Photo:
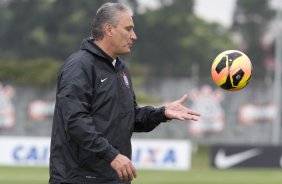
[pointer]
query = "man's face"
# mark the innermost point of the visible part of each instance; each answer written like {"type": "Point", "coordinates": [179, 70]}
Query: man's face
{"type": "Point", "coordinates": [123, 34]}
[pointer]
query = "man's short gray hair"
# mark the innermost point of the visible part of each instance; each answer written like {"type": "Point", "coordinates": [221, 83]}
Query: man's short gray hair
{"type": "Point", "coordinates": [107, 13]}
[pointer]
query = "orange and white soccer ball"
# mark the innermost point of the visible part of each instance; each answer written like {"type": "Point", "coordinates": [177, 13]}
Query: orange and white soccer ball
{"type": "Point", "coordinates": [231, 70]}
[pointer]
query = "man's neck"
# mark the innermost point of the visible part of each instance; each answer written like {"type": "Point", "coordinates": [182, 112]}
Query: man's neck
{"type": "Point", "coordinates": [105, 47]}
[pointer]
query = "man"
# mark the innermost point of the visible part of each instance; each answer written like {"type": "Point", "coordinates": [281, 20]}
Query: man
{"type": "Point", "coordinates": [96, 111]}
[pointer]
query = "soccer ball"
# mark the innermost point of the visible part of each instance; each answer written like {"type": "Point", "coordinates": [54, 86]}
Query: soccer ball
{"type": "Point", "coordinates": [231, 70]}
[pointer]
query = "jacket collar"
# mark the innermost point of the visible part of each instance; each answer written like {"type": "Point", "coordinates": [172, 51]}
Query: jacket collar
{"type": "Point", "coordinates": [90, 46]}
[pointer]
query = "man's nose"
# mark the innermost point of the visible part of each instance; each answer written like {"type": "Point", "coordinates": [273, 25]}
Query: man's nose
{"type": "Point", "coordinates": [133, 36]}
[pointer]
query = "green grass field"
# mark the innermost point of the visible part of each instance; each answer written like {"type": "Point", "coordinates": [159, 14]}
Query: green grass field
{"type": "Point", "coordinates": [200, 173]}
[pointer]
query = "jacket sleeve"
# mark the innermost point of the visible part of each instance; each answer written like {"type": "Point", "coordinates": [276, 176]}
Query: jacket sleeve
{"type": "Point", "coordinates": [74, 98]}
{"type": "Point", "coordinates": [147, 118]}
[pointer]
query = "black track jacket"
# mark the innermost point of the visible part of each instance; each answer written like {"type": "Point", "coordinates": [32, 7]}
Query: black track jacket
{"type": "Point", "coordinates": [95, 115]}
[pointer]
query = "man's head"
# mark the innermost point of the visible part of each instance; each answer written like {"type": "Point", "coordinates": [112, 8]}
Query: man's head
{"type": "Point", "coordinates": [112, 29]}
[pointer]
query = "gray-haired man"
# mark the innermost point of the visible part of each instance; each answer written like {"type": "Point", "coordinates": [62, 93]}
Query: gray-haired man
{"type": "Point", "coordinates": [96, 112]}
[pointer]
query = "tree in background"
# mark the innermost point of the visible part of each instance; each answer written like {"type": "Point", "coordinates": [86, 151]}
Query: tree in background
{"type": "Point", "coordinates": [171, 39]}
{"type": "Point", "coordinates": [250, 21]}
{"type": "Point", "coordinates": [32, 28]}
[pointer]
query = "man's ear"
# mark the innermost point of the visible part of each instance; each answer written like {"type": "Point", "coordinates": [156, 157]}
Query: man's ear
{"type": "Point", "coordinates": [108, 29]}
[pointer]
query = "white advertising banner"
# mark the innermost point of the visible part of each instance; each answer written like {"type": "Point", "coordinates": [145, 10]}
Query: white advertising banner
{"type": "Point", "coordinates": [146, 154]}
{"type": "Point", "coordinates": [161, 154]}
{"type": "Point", "coordinates": [24, 151]}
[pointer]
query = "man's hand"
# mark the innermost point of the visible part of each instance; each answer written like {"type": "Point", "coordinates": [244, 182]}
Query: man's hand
{"type": "Point", "coordinates": [124, 168]}
{"type": "Point", "coordinates": [176, 110]}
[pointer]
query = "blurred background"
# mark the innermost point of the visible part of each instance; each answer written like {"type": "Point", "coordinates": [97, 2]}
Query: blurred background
{"type": "Point", "coordinates": [177, 43]}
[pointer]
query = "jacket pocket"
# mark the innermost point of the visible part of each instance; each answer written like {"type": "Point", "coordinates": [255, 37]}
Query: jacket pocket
{"type": "Point", "coordinates": [92, 166]}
